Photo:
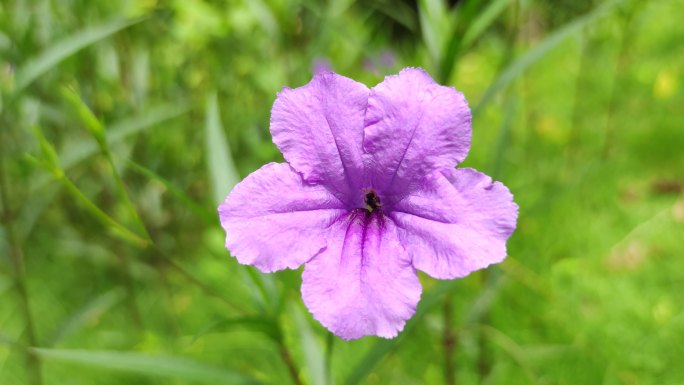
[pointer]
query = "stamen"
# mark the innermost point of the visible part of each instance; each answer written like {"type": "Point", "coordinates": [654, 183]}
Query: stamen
{"type": "Point", "coordinates": [372, 201]}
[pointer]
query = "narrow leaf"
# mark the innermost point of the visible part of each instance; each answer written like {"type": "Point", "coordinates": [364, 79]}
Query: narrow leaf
{"type": "Point", "coordinates": [160, 366]}
{"type": "Point", "coordinates": [219, 160]}
{"type": "Point", "coordinates": [180, 195]}
{"type": "Point", "coordinates": [313, 353]}
{"type": "Point", "coordinates": [484, 20]}
{"type": "Point", "coordinates": [74, 153]}
{"type": "Point", "coordinates": [62, 49]}
{"type": "Point", "coordinates": [532, 56]}
{"type": "Point", "coordinates": [261, 324]}
{"type": "Point", "coordinates": [91, 311]}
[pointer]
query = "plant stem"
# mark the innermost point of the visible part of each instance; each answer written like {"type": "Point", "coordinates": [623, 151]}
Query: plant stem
{"type": "Point", "coordinates": [33, 366]}
{"type": "Point", "coordinates": [623, 53]}
{"type": "Point", "coordinates": [289, 362]}
{"type": "Point", "coordinates": [449, 340]}
{"type": "Point", "coordinates": [329, 344]}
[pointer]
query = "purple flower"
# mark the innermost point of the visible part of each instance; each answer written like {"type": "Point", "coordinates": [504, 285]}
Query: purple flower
{"type": "Point", "coordinates": [369, 195]}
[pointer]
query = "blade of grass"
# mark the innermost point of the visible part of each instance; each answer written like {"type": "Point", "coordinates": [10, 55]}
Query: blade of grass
{"type": "Point", "coordinates": [92, 310]}
{"type": "Point", "coordinates": [97, 130]}
{"type": "Point", "coordinates": [208, 217]}
{"type": "Point", "coordinates": [314, 358]}
{"type": "Point", "coordinates": [434, 26]}
{"type": "Point", "coordinates": [158, 366]}
{"type": "Point", "coordinates": [256, 323]}
{"type": "Point", "coordinates": [64, 48]}
{"type": "Point", "coordinates": [465, 17]}
{"type": "Point", "coordinates": [221, 167]}
{"type": "Point", "coordinates": [398, 11]}
{"type": "Point", "coordinates": [75, 153]}
{"type": "Point", "coordinates": [34, 373]}
{"type": "Point", "coordinates": [50, 162]}
{"type": "Point", "coordinates": [514, 350]}
{"type": "Point", "coordinates": [483, 21]}
{"type": "Point", "coordinates": [518, 66]}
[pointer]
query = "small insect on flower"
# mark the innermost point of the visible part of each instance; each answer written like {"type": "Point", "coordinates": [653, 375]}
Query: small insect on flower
{"type": "Point", "coordinates": [368, 196]}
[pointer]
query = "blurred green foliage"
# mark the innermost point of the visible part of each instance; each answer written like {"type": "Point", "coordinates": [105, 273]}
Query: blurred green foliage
{"type": "Point", "coordinates": [123, 123]}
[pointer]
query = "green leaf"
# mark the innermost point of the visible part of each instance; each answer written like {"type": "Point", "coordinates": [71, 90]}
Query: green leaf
{"type": "Point", "coordinates": [92, 123]}
{"type": "Point", "coordinates": [208, 217]}
{"type": "Point", "coordinates": [434, 26]}
{"type": "Point", "coordinates": [261, 324]}
{"type": "Point", "coordinates": [91, 311]}
{"type": "Point", "coordinates": [484, 20]}
{"type": "Point", "coordinates": [160, 366]}
{"type": "Point", "coordinates": [62, 49]}
{"type": "Point", "coordinates": [74, 153]}
{"type": "Point", "coordinates": [522, 63]}
{"type": "Point", "coordinates": [219, 160]}
{"type": "Point", "coordinates": [313, 353]}
{"type": "Point", "coordinates": [97, 130]}
{"type": "Point", "coordinates": [50, 162]}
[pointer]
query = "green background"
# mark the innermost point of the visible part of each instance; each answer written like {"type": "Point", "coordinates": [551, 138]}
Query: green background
{"type": "Point", "coordinates": [123, 123]}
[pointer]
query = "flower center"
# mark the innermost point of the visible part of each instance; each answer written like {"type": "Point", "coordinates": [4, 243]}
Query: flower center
{"type": "Point", "coordinates": [372, 201]}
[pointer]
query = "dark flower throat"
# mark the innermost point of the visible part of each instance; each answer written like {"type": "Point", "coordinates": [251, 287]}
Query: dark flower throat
{"type": "Point", "coordinates": [372, 201]}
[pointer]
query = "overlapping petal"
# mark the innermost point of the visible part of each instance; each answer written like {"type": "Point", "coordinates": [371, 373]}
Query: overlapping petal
{"type": "Point", "coordinates": [363, 282]}
{"type": "Point", "coordinates": [458, 222]}
{"type": "Point", "coordinates": [414, 126]}
{"type": "Point", "coordinates": [275, 220]}
{"type": "Point", "coordinates": [319, 129]}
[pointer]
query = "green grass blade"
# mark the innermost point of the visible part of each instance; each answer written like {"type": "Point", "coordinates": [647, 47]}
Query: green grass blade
{"type": "Point", "coordinates": [517, 67]}
{"type": "Point", "coordinates": [261, 324]}
{"type": "Point", "coordinates": [314, 358]}
{"type": "Point", "coordinates": [159, 366]}
{"type": "Point", "coordinates": [97, 130]}
{"type": "Point", "coordinates": [434, 26]}
{"type": "Point", "coordinates": [208, 216]}
{"type": "Point", "coordinates": [74, 153]}
{"type": "Point", "coordinates": [221, 167]}
{"type": "Point", "coordinates": [484, 20]}
{"type": "Point", "coordinates": [62, 49]}
{"type": "Point", "coordinates": [91, 311]}
{"type": "Point", "coordinates": [50, 162]}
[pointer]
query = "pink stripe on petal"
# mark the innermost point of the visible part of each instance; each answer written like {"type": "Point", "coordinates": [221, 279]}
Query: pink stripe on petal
{"type": "Point", "coordinates": [363, 282]}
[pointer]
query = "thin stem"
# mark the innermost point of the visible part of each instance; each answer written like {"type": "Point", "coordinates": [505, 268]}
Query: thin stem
{"type": "Point", "coordinates": [329, 344]}
{"type": "Point", "coordinates": [483, 358]}
{"type": "Point", "coordinates": [615, 90]}
{"type": "Point", "coordinates": [289, 362]}
{"type": "Point", "coordinates": [126, 277]}
{"type": "Point", "coordinates": [576, 117]}
{"type": "Point", "coordinates": [119, 229]}
{"type": "Point", "coordinates": [484, 364]}
{"type": "Point", "coordinates": [449, 340]}
{"type": "Point", "coordinates": [33, 366]}
{"type": "Point", "coordinates": [163, 258]}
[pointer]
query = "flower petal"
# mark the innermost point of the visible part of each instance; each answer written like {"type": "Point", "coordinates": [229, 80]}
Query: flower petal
{"type": "Point", "coordinates": [319, 129]}
{"type": "Point", "coordinates": [414, 126]}
{"type": "Point", "coordinates": [458, 223]}
{"type": "Point", "coordinates": [363, 282]}
{"type": "Point", "coordinates": [274, 220]}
